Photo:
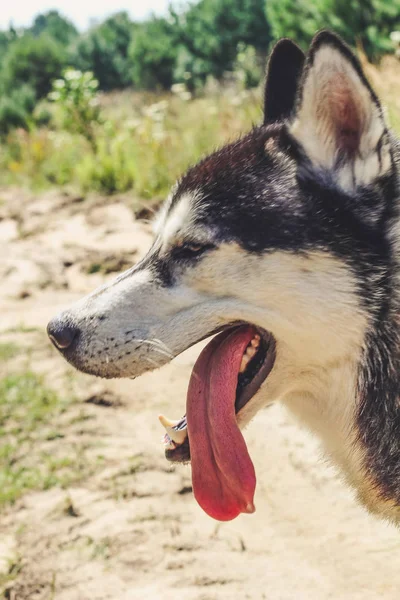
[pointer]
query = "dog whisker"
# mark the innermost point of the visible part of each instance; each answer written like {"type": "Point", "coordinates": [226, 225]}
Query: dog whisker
{"type": "Point", "coordinates": [152, 362]}
{"type": "Point", "coordinates": [155, 345]}
{"type": "Point", "coordinates": [163, 345]}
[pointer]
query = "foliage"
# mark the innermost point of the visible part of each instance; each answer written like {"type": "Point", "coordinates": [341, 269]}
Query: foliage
{"type": "Point", "coordinates": [248, 66]}
{"type": "Point", "coordinates": [8, 350]}
{"type": "Point", "coordinates": [6, 39]}
{"type": "Point", "coordinates": [32, 419]}
{"type": "Point", "coordinates": [34, 61]}
{"type": "Point", "coordinates": [16, 108]}
{"type": "Point", "coordinates": [54, 25]}
{"type": "Point", "coordinates": [26, 405]}
{"type": "Point", "coordinates": [103, 50]}
{"type": "Point", "coordinates": [41, 157]}
{"type": "Point", "coordinates": [153, 54]}
{"type": "Point", "coordinates": [368, 23]}
{"type": "Point", "coordinates": [210, 33]}
{"type": "Point", "coordinates": [145, 141]}
{"type": "Point", "coordinates": [199, 42]}
{"type": "Point", "coordinates": [30, 61]}
{"type": "Point", "coordinates": [75, 95]}
{"type": "Point", "coordinates": [144, 144]}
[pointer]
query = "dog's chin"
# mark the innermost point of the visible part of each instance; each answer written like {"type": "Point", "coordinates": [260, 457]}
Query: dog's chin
{"type": "Point", "coordinates": [115, 370]}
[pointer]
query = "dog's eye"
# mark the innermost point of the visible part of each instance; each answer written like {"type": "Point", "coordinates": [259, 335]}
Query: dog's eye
{"type": "Point", "coordinates": [191, 249]}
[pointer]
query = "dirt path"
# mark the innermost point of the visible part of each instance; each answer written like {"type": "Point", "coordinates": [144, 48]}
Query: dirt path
{"type": "Point", "coordinates": [131, 530]}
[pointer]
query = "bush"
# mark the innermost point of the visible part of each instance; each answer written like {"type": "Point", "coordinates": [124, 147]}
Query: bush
{"type": "Point", "coordinates": [144, 150]}
{"type": "Point", "coordinates": [104, 51]}
{"type": "Point", "coordinates": [153, 54]}
{"type": "Point", "coordinates": [54, 25]}
{"type": "Point", "coordinates": [6, 39]}
{"type": "Point", "coordinates": [16, 109]}
{"type": "Point", "coordinates": [210, 33]}
{"type": "Point", "coordinates": [248, 67]}
{"type": "Point", "coordinates": [32, 61]}
{"type": "Point", "coordinates": [11, 115]}
{"type": "Point", "coordinates": [75, 96]}
{"type": "Point", "coordinates": [40, 157]}
{"type": "Point", "coordinates": [368, 23]}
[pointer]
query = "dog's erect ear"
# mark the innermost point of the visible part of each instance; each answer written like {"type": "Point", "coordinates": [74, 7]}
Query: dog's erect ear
{"type": "Point", "coordinates": [283, 73]}
{"type": "Point", "coordinates": [338, 118]}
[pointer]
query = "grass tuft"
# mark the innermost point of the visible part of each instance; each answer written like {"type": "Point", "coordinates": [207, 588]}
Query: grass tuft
{"type": "Point", "coordinates": [8, 350]}
{"type": "Point", "coordinates": [144, 144]}
{"type": "Point", "coordinates": [30, 457]}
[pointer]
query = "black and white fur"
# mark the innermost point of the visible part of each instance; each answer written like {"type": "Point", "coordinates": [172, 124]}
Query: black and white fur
{"type": "Point", "coordinates": [294, 228]}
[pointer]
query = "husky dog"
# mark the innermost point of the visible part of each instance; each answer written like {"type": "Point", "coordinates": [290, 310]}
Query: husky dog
{"type": "Point", "coordinates": [285, 244]}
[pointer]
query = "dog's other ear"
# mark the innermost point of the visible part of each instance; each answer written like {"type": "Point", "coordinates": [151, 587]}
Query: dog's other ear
{"type": "Point", "coordinates": [338, 118]}
{"type": "Point", "coordinates": [283, 73]}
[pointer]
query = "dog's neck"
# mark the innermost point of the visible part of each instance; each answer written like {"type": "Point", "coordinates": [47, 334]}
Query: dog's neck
{"type": "Point", "coordinates": [323, 397]}
{"type": "Point", "coordinates": [378, 415]}
{"type": "Point", "coordinates": [365, 383]}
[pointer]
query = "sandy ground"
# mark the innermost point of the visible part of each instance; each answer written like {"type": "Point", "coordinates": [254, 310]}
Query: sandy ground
{"type": "Point", "coordinates": [132, 529]}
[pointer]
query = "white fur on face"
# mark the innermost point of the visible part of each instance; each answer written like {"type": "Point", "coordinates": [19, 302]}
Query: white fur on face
{"type": "Point", "coordinates": [336, 102]}
{"type": "Point", "coordinates": [296, 297]}
{"type": "Point", "coordinates": [309, 304]}
{"type": "Point", "coordinates": [178, 222]}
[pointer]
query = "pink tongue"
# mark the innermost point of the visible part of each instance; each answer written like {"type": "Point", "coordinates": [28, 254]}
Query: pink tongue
{"type": "Point", "coordinates": [223, 474]}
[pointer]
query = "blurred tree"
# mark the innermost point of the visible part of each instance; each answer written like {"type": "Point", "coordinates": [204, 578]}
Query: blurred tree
{"type": "Point", "coordinates": [55, 25]}
{"type": "Point", "coordinates": [367, 22]}
{"type": "Point", "coordinates": [103, 50]}
{"type": "Point", "coordinates": [34, 61]}
{"type": "Point", "coordinates": [296, 19]}
{"type": "Point", "coordinates": [210, 34]}
{"type": "Point", "coordinates": [16, 108]}
{"type": "Point", "coordinates": [248, 69]}
{"type": "Point", "coordinates": [6, 39]}
{"type": "Point", "coordinates": [153, 54]}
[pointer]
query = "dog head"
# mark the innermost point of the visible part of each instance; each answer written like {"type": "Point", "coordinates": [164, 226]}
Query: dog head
{"type": "Point", "coordinates": [286, 231]}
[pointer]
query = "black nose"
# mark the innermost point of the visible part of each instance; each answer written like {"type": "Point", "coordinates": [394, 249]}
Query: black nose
{"type": "Point", "coordinates": [62, 334]}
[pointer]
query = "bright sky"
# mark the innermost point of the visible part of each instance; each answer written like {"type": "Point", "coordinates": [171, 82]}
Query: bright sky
{"type": "Point", "coordinates": [81, 12]}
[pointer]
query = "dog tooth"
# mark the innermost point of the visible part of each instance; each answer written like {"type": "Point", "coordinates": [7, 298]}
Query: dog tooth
{"type": "Point", "coordinates": [244, 363]}
{"type": "Point", "coordinates": [169, 445]}
{"type": "Point", "coordinates": [165, 422]}
{"type": "Point", "coordinates": [250, 352]}
{"type": "Point", "coordinates": [176, 436]}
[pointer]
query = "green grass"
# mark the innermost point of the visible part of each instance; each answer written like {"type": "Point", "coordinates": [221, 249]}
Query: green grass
{"type": "Point", "coordinates": [144, 144]}
{"type": "Point", "coordinates": [7, 578]}
{"type": "Point", "coordinates": [22, 328]}
{"type": "Point", "coordinates": [8, 350]}
{"type": "Point", "coordinates": [29, 446]}
{"type": "Point", "coordinates": [144, 141]}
